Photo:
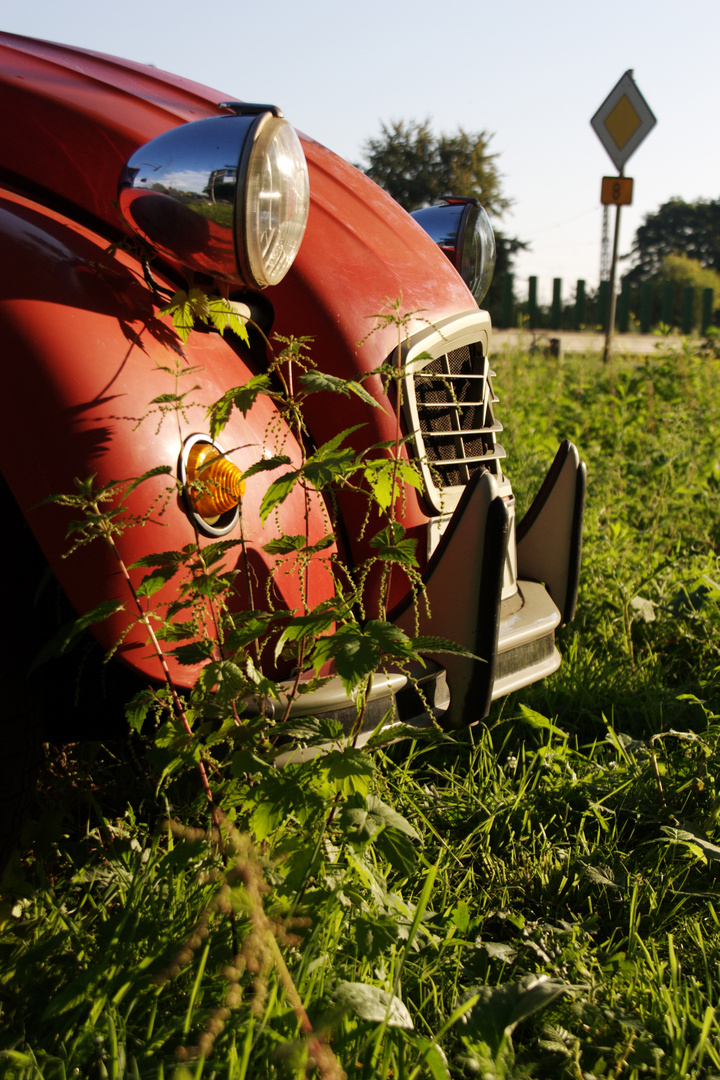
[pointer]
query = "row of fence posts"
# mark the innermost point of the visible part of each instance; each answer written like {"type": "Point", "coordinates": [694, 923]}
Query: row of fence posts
{"type": "Point", "coordinates": [588, 313]}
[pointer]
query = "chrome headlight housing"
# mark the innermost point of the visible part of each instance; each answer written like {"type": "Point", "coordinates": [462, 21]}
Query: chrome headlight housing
{"type": "Point", "coordinates": [227, 196]}
{"type": "Point", "coordinates": [461, 228]}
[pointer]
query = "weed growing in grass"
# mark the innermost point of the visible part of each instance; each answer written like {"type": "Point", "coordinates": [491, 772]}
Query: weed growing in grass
{"type": "Point", "coordinates": [533, 897]}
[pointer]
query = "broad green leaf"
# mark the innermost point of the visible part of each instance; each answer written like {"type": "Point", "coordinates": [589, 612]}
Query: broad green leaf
{"type": "Point", "coordinates": [138, 707]}
{"type": "Point", "coordinates": [277, 493]}
{"type": "Point", "coordinates": [398, 849]}
{"type": "Point", "coordinates": [241, 398]}
{"type": "Point", "coordinates": [361, 819]}
{"type": "Point", "coordinates": [194, 653]}
{"type": "Point", "coordinates": [434, 1057]}
{"type": "Point", "coordinates": [314, 381]}
{"type": "Point", "coordinates": [67, 634]}
{"type": "Point", "coordinates": [153, 583]}
{"type": "Point", "coordinates": [375, 935]}
{"type": "Point", "coordinates": [347, 771]}
{"type": "Point", "coordinates": [394, 546]}
{"type": "Point", "coordinates": [537, 720]}
{"type": "Point", "coordinates": [355, 654]}
{"type": "Point", "coordinates": [309, 730]}
{"type": "Point", "coordinates": [162, 558]}
{"type": "Point", "coordinates": [267, 465]}
{"type": "Point", "coordinates": [226, 679]}
{"type": "Point", "coordinates": [499, 1009]}
{"type": "Point", "coordinates": [698, 844]}
{"type": "Point", "coordinates": [318, 621]}
{"type": "Point", "coordinates": [224, 317]}
{"type": "Point", "coordinates": [373, 1004]}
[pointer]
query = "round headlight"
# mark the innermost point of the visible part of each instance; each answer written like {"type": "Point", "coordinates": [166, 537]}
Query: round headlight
{"type": "Point", "coordinates": [461, 228]}
{"type": "Point", "coordinates": [227, 196]}
{"type": "Point", "coordinates": [477, 254]}
{"type": "Point", "coordinates": [273, 204]}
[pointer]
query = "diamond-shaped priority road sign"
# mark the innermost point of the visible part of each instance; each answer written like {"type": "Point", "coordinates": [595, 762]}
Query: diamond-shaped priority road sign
{"type": "Point", "coordinates": [623, 120]}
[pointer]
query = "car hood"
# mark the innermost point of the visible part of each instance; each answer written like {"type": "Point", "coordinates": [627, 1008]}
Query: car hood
{"type": "Point", "coordinates": [72, 118]}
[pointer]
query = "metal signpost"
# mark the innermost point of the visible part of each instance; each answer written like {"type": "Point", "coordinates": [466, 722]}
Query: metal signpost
{"type": "Point", "coordinates": [621, 123]}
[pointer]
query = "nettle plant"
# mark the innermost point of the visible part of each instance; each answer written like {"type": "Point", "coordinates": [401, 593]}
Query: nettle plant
{"type": "Point", "coordinates": [286, 842]}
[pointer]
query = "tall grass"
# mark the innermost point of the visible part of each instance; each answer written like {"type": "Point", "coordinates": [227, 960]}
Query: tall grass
{"type": "Point", "coordinates": [535, 896]}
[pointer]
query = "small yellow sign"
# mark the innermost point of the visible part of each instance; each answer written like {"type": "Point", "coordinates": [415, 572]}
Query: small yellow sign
{"type": "Point", "coordinates": [616, 191]}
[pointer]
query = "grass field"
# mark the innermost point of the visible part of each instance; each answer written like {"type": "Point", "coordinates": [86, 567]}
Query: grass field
{"type": "Point", "coordinates": [534, 897]}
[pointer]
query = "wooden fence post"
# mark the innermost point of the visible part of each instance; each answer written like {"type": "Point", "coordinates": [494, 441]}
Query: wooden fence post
{"type": "Point", "coordinates": [556, 311]}
{"type": "Point", "coordinates": [532, 304]}
{"type": "Point", "coordinates": [688, 295]}
{"type": "Point", "coordinates": [624, 307]}
{"type": "Point", "coordinates": [646, 298]}
{"type": "Point", "coordinates": [668, 304]}
{"type": "Point", "coordinates": [506, 306]}
{"type": "Point", "coordinates": [580, 306]}
{"type": "Point", "coordinates": [707, 309]}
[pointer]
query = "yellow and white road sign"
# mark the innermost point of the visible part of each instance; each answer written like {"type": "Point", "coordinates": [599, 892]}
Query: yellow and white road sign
{"type": "Point", "coordinates": [623, 120]}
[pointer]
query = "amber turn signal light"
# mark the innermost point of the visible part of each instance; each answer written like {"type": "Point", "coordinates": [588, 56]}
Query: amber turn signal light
{"type": "Point", "coordinates": [214, 484]}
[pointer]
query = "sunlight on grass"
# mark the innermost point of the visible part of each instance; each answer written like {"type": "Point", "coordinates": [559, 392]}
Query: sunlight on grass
{"type": "Point", "coordinates": [532, 897]}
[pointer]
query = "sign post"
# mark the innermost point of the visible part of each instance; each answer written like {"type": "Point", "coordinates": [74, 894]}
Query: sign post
{"type": "Point", "coordinates": [621, 123]}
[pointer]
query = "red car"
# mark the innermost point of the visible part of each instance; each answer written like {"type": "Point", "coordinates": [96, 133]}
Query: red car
{"type": "Point", "coordinates": [103, 163]}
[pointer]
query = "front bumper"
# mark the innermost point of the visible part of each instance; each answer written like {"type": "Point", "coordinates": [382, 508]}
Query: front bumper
{"type": "Point", "coordinates": [511, 637]}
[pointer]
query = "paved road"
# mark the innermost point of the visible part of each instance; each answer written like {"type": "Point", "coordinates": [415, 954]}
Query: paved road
{"type": "Point", "coordinates": [581, 342]}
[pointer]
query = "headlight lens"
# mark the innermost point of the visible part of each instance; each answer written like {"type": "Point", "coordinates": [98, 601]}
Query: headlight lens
{"type": "Point", "coordinates": [477, 256]}
{"type": "Point", "coordinates": [461, 228]}
{"type": "Point", "coordinates": [276, 200]}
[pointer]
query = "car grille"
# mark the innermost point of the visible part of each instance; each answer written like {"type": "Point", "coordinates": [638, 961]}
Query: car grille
{"type": "Point", "coordinates": [452, 418]}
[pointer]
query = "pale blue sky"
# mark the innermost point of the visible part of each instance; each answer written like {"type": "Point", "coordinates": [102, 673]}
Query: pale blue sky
{"type": "Point", "coordinates": [531, 72]}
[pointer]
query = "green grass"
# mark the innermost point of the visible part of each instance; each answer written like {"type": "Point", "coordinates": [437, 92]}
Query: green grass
{"type": "Point", "coordinates": [546, 904]}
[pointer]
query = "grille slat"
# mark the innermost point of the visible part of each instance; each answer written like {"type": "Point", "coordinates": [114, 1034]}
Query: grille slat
{"type": "Point", "coordinates": [455, 427]}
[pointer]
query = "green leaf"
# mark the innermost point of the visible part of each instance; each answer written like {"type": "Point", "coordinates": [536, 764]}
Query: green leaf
{"type": "Point", "coordinates": [277, 493]}
{"type": "Point", "coordinates": [224, 316]}
{"type": "Point", "coordinates": [375, 936]}
{"type": "Point", "coordinates": [355, 654]}
{"type": "Point", "coordinates": [537, 720]}
{"type": "Point", "coordinates": [347, 771]}
{"type": "Point", "coordinates": [309, 730]}
{"type": "Point", "coordinates": [393, 546]}
{"type": "Point", "coordinates": [239, 397]}
{"type": "Point", "coordinates": [372, 1004]}
{"type": "Point", "coordinates": [499, 1009]}
{"type": "Point", "coordinates": [153, 583]}
{"type": "Point", "coordinates": [194, 653]}
{"type": "Point", "coordinates": [314, 381]}
{"type": "Point", "coordinates": [67, 634]}
{"type": "Point", "coordinates": [435, 1059]}
{"type": "Point", "coordinates": [317, 621]}
{"type": "Point", "coordinates": [399, 851]}
{"type": "Point", "coordinates": [267, 465]}
{"type": "Point", "coordinates": [699, 845]}
{"type": "Point", "coordinates": [138, 707]}
{"type": "Point", "coordinates": [361, 819]}
{"type": "Point", "coordinates": [225, 678]}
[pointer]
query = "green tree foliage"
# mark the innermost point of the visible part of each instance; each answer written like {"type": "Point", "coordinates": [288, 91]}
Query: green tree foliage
{"type": "Point", "coordinates": [677, 228]}
{"type": "Point", "coordinates": [680, 271]}
{"type": "Point", "coordinates": [417, 168]}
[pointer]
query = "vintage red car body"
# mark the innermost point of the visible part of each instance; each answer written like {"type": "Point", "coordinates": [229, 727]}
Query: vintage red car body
{"type": "Point", "coordinates": [85, 351]}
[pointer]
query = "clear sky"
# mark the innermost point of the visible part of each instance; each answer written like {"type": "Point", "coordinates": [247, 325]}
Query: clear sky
{"type": "Point", "coordinates": [531, 72]}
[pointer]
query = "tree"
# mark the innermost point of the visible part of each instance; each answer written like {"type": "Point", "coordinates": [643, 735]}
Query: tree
{"type": "Point", "coordinates": [417, 167]}
{"type": "Point", "coordinates": [680, 271]}
{"type": "Point", "coordinates": [677, 228]}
